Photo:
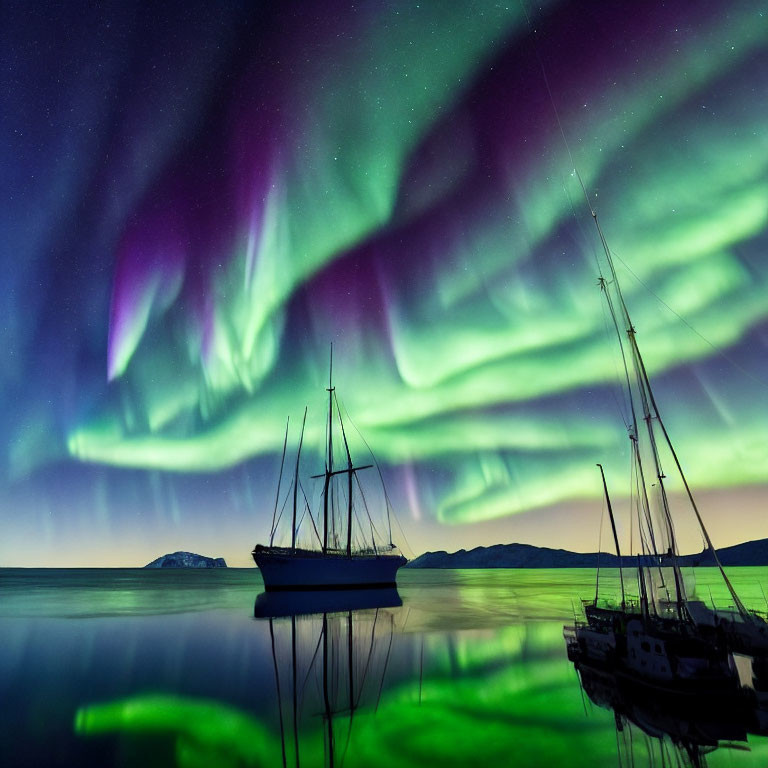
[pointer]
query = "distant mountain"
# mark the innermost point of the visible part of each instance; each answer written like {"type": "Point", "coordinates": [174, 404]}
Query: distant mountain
{"type": "Point", "coordinates": [748, 553]}
{"type": "Point", "coordinates": [528, 556]}
{"type": "Point", "coordinates": [187, 560]}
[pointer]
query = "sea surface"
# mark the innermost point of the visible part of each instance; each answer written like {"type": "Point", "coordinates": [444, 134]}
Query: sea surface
{"type": "Point", "coordinates": [165, 668]}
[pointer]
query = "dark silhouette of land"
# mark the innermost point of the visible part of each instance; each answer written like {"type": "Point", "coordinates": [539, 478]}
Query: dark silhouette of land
{"type": "Point", "coordinates": [187, 560]}
{"type": "Point", "coordinates": [529, 556]}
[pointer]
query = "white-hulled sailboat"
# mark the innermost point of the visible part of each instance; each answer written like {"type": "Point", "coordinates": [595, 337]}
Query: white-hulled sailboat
{"type": "Point", "coordinates": [329, 566]}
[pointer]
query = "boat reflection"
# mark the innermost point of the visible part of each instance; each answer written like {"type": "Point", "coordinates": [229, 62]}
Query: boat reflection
{"type": "Point", "coordinates": [307, 602]}
{"type": "Point", "coordinates": [330, 651]}
{"type": "Point", "coordinates": [694, 709]}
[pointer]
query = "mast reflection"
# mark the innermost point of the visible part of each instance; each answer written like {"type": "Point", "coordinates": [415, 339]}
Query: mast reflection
{"type": "Point", "coordinates": [330, 652]}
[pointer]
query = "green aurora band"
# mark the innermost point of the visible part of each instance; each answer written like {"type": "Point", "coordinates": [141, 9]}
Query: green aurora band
{"type": "Point", "coordinates": [488, 357]}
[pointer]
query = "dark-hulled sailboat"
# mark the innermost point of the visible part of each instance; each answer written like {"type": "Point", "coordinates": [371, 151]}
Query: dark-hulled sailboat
{"type": "Point", "coordinates": [330, 565]}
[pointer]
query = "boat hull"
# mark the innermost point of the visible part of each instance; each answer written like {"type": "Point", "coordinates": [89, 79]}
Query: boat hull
{"type": "Point", "coordinates": [284, 570]}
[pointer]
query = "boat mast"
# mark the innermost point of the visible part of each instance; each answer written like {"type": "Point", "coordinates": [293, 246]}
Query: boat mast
{"type": "Point", "coordinates": [329, 456]}
{"type": "Point", "coordinates": [615, 536]}
{"type": "Point", "coordinates": [632, 427]}
{"type": "Point", "coordinates": [643, 502]}
{"type": "Point", "coordinates": [646, 397]}
{"type": "Point", "coordinates": [652, 412]}
{"type": "Point", "coordinates": [296, 482]}
{"type": "Point", "coordinates": [350, 472]}
{"type": "Point", "coordinates": [643, 386]}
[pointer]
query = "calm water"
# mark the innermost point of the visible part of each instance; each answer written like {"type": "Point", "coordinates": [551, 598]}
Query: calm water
{"type": "Point", "coordinates": [151, 668]}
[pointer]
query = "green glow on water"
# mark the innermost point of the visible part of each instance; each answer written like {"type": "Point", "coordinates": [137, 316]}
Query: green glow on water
{"type": "Point", "coordinates": [206, 732]}
{"type": "Point", "coordinates": [495, 683]}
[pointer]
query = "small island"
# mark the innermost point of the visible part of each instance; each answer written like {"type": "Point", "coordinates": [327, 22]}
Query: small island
{"type": "Point", "coordinates": [187, 560]}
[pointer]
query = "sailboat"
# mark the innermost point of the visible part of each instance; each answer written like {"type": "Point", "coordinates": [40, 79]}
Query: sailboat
{"type": "Point", "coordinates": [330, 565]}
{"type": "Point", "coordinates": [664, 618]}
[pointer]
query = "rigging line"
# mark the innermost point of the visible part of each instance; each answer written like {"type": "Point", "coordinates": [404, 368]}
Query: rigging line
{"type": "Point", "coordinates": [622, 408]}
{"type": "Point", "coordinates": [388, 502]}
{"type": "Point", "coordinates": [351, 473]}
{"type": "Point", "coordinates": [341, 424]}
{"type": "Point", "coordinates": [301, 519]}
{"type": "Point", "coordinates": [581, 687]}
{"type": "Point", "coordinates": [279, 696]}
{"type": "Point", "coordinates": [631, 507]}
{"type": "Point", "coordinates": [562, 134]}
{"type": "Point", "coordinates": [587, 242]}
{"type": "Point", "coordinates": [386, 659]}
{"type": "Point", "coordinates": [717, 350]}
{"type": "Point", "coordinates": [311, 516]}
{"type": "Point", "coordinates": [364, 675]}
{"type": "Point", "coordinates": [365, 504]}
{"type": "Point", "coordinates": [546, 82]}
{"type": "Point", "coordinates": [742, 610]}
{"type": "Point", "coordinates": [648, 512]}
{"type": "Point", "coordinates": [350, 653]}
{"type": "Point", "coordinates": [618, 749]}
{"type": "Point", "coordinates": [359, 542]}
{"type": "Point", "coordinates": [282, 509]}
{"type": "Point", "coordinates": [296, 481]}
{"type": "Point", "coordinates": [279, 480]}
{"type": "Point", "coordinates": [310, 668]}
{"type": "Point", "coordinates": [421, 668]}
{"type": "Point", "coordinates": [630, 397]}
{"type": "Point", "coordinates": [295, 693]}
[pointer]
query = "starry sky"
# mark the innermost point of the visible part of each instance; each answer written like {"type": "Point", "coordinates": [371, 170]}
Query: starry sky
{"type": "Point", "coordinates": [198, 198]}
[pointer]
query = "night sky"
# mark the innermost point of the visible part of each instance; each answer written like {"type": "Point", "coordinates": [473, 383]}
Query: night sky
{"type": "Point", "coordinates": [198, 198]}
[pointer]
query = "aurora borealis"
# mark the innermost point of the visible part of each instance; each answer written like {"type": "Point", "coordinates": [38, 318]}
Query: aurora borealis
{"type": "Point", "coordinates": [199, 199]}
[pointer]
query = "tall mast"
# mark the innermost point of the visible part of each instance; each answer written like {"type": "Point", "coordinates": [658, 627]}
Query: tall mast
{"type": "Point", "coordinates": [330, 472]}
{"type": "Point", "coordinates": [644, 386]}
{"type": "Point", "coordinates": [329, 456]}
{"type": "Point", "coordinates": [350, 472]}
{"type": "Point", "coordinates": [615, 535]}
{"type": "Point", "coordinates": [296, 483]}
{"type": "Point", "coordinates": [643, 501]}
{"type": "Point", "coordinates": [652, 412]}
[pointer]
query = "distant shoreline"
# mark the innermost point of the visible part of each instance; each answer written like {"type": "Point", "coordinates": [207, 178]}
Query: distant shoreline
{"type": "Point", "coordinates": [497, 556]}
{"type": "Point", "coordinates": [514, 556]}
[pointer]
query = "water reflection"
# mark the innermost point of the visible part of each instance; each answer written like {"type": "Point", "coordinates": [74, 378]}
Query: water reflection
{"type": "Point", "coordinates": [338, 644]}
{"type": "Point", "coordinates": [115, 668]}
{"type": "Point", "coordinates": [273, 605]}
{"type": "Point", "coordinates": [673, 693]}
